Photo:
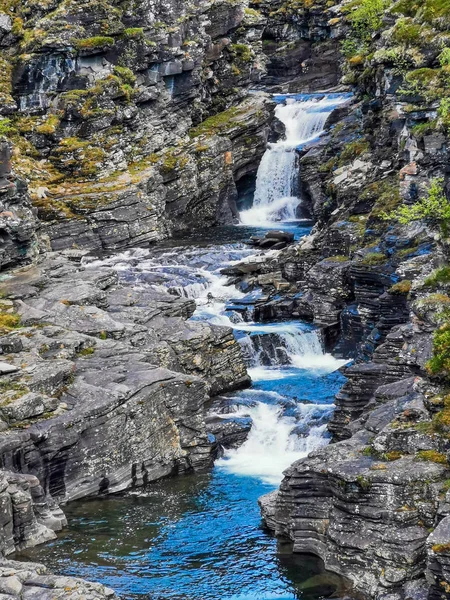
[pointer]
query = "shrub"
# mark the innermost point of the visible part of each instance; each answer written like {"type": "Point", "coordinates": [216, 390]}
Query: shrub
{"type": "Point", "coordinates": [366, 19]}
{"type": "Point", "coordinates": [433, 209]}
{"type": "Point", "coordinates": [439, 364]}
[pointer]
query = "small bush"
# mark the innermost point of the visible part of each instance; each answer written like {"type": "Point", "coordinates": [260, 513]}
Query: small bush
{"type": "Point", "coordinates": [433, 209]}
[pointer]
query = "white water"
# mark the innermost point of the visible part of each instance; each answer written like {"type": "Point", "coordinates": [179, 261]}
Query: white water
{"type": "Point", "coordinates": [273, 443]}
{"type": "Point", "coordinates": [270, 446]}
{"type": "Point", "coordinates": [276, 197]}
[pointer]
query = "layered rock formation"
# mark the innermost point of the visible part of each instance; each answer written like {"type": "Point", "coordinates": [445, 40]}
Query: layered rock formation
{"type": "Point", "coordinates": [131, 122]}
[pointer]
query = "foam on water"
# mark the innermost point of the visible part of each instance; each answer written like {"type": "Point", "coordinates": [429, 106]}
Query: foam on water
{"type": "Point", "coordinates": [271, 445]}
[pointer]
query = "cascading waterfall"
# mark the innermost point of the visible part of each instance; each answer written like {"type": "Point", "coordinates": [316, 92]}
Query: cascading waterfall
{"type": "Point", "coordinates": [276, 198]}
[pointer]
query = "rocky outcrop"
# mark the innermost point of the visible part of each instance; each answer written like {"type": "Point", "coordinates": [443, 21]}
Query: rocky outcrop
{"type": "Point", "coordinates": [89, 405]}
{"type": "Point", "coordinates": [32, 580]}
{"type": "Point", "coordinates": [18, 224]}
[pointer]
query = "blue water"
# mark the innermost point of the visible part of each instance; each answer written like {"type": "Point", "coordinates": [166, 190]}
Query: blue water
{"type": "Point", "coordinates": [200, 537]}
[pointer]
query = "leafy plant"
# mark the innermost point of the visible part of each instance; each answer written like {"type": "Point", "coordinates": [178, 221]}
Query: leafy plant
{"type": "Point", "coordinates": [433, 209]}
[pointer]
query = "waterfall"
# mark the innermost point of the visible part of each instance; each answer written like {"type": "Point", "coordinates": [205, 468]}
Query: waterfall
{"type": "Point", "coordinates": [276, 195]}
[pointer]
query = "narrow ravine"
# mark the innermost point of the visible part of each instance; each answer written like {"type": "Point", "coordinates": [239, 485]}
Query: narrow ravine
{"type": "Point", "coordinates": [200, 536]}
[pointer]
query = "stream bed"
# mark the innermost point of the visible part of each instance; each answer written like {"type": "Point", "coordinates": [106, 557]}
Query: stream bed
{"type": "Point", "coordinates": [200, 537]}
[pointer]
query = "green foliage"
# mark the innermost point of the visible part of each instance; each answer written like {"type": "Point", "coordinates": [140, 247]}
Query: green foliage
{"type": "Point", "coordinates": [78, 157]}
{"type": "Point", "coordinates": [406, 32]}
{"type": "Point", "coordinates": [434, 209]}
{"type": "Point", "coordinates": [438, 278]}
{"type": "Point", "coordinates": [444, 112]}
{"type": "Point", "coordinates": [86, 352]}
{"type": "Point", "coordinates": [439, 364]}
{"type": "Point", "coordinates": [6, 126]}
{"type": "Point", "coordinates": [49, 126]}
{"type": "Point", "coordinates": [366, 19]}
{"type": "Point", "coordinates": [363, 483]}
{"type": "Point", "coordinates": [242, 52]}
{"type": "Point", "coordinates": [215, 124]}
{"type": "Point", "coordinates": [422, 129]}
{"type": "Point", "coordinates": [125, 74]}
{"type": "Point", "coordinates": [9, 321]}
{"type": "Point", "coordinates": [134, 32]}
{"type": "Point", "coordinates": [444, 57]}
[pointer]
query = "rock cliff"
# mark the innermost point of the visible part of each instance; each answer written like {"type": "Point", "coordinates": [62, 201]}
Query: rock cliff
{"type": "Point", "coordinates": [130, 122]}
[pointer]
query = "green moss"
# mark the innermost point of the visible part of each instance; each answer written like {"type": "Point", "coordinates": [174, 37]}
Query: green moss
{"type": "Point", "coordinates": [363, 483]}
{"type": "Point", "coordinates": [374, 258]}
{"type": "Point", "coordinates": [422, 129]}
{"type": "Point", "coordinates": [406, 32]}
{"type": "Point", "coordinates": [5, 82]}
{"type": "Point", "coordinates": [86, 352]}
{"type": "Point", "coordinates": [215, 124]}
{"type": "Point", "coordinates": [401, 288]}
{"type": "Point", "coordinates": [441, 420]}
{"type": "Point", "coordinates": [9, 321]}
{"type": "Point", "coordinates": [11, 391]}
{"type": "Point", "coordinates": [432, 456]}
{"type": "Point", "coordinates": [49, 126]}
{"type": "Point", "coordinates": [441, 548]}
{"type": "Point", "coordinates": [340, 258]}
{"type": "Point", "coordinates": [6, 126]}
{"type": "Point", "coordinates": [440, 277]}
{"type": "Point", "coordinates": [78, 157]}
{"type": "Point", "coordinates": [125, 74]}
{"type": "Point", "coordinates": [134, 32]}
{"type": "Point", "coordinates": [96, 42]}
{"type": "Point", "coordinates": [242, 52]}
{"type": "Point", "coordinates": [393, 455]}
{"type": "Point", "coordinates": [173, 161]}
{"type": "Point", "coordinates": [352, 150]}
{"type": "Point", "coordinates": [384, 194]}
{"type": "Point", "coordinates": [439, 364]}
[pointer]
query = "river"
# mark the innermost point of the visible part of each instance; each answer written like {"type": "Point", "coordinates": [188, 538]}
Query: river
{"type": "Point", "coordinates": [200, 537]}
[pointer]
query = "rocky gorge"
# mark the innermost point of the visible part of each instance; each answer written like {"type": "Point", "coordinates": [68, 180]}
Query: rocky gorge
{"type": "Point", "coordinates": [124, 124]}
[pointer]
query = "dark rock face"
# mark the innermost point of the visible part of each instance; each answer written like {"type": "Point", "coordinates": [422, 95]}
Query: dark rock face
{"type": "Point", "coordinates": [17, 220]}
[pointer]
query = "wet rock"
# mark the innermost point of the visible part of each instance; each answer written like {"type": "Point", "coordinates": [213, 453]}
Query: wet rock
{"type": "Point", "coordinates": [93, 379]}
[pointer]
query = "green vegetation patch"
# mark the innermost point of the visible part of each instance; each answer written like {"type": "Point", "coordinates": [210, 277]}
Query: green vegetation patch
{"type": "Point", "coordinates": [401, 288]}
{"type": "Point", "coordinates": [440, 277]}
{"type": "Point", "coordinates": [93, 43]}
{"type": "Point", "coordinates": [216, 123]}
{"type": "Point", "coordinates": [432, 456]}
